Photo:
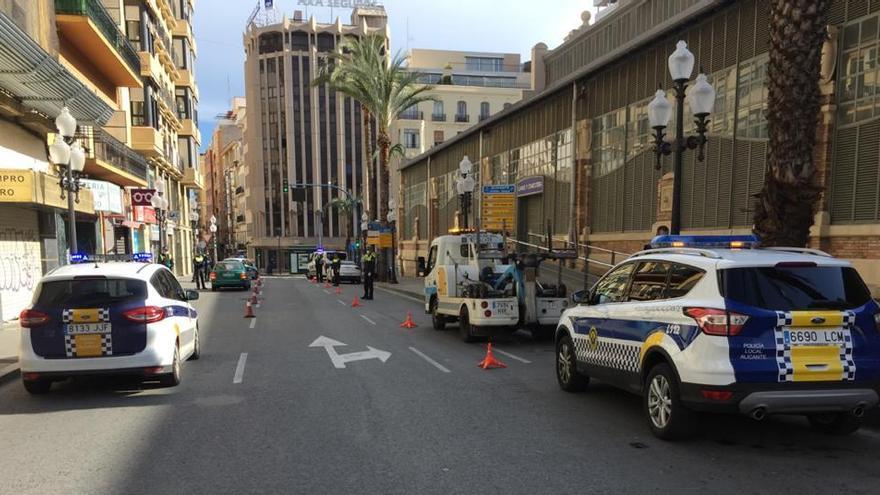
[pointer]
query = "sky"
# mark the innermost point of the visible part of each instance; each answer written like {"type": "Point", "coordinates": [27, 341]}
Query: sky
{"type": "Point", "coordinates": [511, 26]}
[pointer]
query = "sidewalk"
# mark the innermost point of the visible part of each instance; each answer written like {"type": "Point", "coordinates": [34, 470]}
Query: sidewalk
{"type": "Point", "coordinates": [9, 335]}
{"type": "Point", "coordinates": [407, 286]}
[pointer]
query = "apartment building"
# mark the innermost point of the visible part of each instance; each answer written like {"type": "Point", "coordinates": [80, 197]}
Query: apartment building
{"type": "Point", "coordinates": [225, 185]}
{"type": "Point", "coordinates": [297, 133]}
{"type": "Point", "coordinates": [468, 88]}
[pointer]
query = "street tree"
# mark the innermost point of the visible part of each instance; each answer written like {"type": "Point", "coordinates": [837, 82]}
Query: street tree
{"type": "Point", "coordinates": [362, 70]}
{"type": "Point", "coordinates": [788, 200]}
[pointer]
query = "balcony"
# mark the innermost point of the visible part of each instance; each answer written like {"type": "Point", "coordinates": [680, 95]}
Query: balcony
{"type": "Point", "coordinates": [183, 29]}
{"type": "Point", "coordinates": [412, 115]}
{"type": "Point", "coordinates": [462, 118]}
{"type": "Point", "coordinates": [150, 66]}
{"type": "Point", "coordinates": [438, 117]}
{"type": "Point", "coordinates": [87, 27]}
{"type": "Point", "coordinates": [188, 128]}
{"type": "Point", "coordinates": [147, 141]}
{"type": "Point", "coordinates": [193, 178]}
{"type": "Point", "coordinates": [484, 117]}
{"type": "Point", "coordinates": [185, 78]}
{"type": "Point", "coordinates": [111, 160]}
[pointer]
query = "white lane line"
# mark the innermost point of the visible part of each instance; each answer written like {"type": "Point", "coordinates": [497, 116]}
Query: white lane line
{"type": "Point", "coordinates": [326, 291]}
{"type": "Point", "coordinates": [239, 370]}
{"type": "Point", "coordinates": [428, 359]}
{"type": "Point", "coordinates": [253, 323]}
{"type": "Point", "coordinates": [512, 356]}
{"type": "Point", "coordinates": [342, 302]}
{"type": "Point", "coordinates": [371, 322]}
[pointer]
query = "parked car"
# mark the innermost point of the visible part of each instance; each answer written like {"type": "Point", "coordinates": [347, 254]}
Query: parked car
{"type": "Point", "coordinates": [107, 318]}
{"type": "Point", "coordinates": [717, 324]}
{"type": "Point", "coordinates": [230, 274]}
{"type": "Point", "coordinates": [326, 257]}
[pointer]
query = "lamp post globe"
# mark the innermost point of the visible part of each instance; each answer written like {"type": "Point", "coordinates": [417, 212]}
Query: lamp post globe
{"type": "Point", "coordinates": [659, 110]}
{"type": "Point", "coordinates": [681, 62]}
{"type": "Point", "coordinates": [77, 157]}
{"type": "Point", "coordinates": [59, 152]}
{"type": "Point", "coordinates": [65, 123]}
{"type": "Point", "coordinates": [701, 97]}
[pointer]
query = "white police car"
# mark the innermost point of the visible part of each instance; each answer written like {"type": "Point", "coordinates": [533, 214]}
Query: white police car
{"type": "Point", "coordinates": [713, 323]}
{"type": "Point", "coordinates": [107, 318]}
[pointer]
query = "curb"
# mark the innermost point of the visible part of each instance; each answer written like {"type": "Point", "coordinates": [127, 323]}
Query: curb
{"type": "Point", "coordinates": [8, 372]}
{"type": "Point", "coordinates": [403, 292]}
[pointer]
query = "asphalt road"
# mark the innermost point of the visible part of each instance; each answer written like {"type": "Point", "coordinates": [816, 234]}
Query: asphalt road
{"type": "Point", "coordinates": [285, 419]}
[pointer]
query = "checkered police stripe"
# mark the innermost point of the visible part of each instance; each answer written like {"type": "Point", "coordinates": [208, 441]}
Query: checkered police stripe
{"type": "Point", "coordinates": [67, 315]}
{"type": "Point", "coordinates": [783, 349]}
{"type": "Point", "coordinates": [846, 351]}
{"type": "Point", "coordinates": [106, 345]}
{"type": "Point", "coordinates": [608, 354]}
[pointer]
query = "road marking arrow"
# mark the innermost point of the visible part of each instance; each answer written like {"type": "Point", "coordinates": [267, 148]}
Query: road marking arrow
{"type": "Point", "coordinates": [339, 360]}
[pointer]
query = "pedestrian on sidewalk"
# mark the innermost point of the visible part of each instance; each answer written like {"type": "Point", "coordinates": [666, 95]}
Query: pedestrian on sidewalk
{"type": "Point", "coordinates": [369, 271]}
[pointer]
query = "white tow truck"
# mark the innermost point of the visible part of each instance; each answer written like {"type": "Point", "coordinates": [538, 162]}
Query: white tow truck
{"type": "Point", "coordinates": [470, 278]}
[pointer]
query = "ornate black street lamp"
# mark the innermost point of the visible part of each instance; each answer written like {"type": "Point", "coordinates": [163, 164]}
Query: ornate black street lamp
{"type": "Point", "coordinates": [465, 187]}
{"type": "Point", "coordinates": [701, 99]}
{"type": "Point", "coordinates": [70, 157]}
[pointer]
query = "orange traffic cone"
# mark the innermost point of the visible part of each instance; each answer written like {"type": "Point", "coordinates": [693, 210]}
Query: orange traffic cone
{"type": "Point", "coordinates": [338, 290]}
{"type": "Point", "coordinates": [249, 310]}
{"type": "Point", "coordinates": [356, 303]}
{"type": "Point", "coordinates": [254, 297]}
{"type": "Point", "coordinates": [490, 361]}
{"type": "Point", "coordinates": [408, 323]}
{"type": "Point", "coordinates": [326, 284]}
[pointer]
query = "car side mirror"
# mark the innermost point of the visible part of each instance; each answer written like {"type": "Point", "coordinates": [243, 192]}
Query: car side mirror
{"type": "Point", "coordinates": [580, 297]}
{"type": "Point", "coordinates": [191, 295]}
{"type": "Point", "coordinates": [421, 267]}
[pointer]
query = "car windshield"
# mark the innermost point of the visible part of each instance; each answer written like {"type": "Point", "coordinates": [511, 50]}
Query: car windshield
{"type": "Point", "coordinates": [91, 291]}
{"type": "Point", "coordinates": [230, 266]}
{"type": "Point", "coordinates": [789, 288]}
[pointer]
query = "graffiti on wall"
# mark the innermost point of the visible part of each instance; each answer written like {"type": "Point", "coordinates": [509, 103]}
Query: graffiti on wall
{"type": "Point", "coordinates": [19, 259]}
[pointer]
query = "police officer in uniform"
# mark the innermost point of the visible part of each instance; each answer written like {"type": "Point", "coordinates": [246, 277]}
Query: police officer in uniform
{"type": "Point", "coordinates": [335, 266]}
{"type": "Point", "coordinates": [319, 267]}
{"type": "Point", "coordinates": [369, 272]}
{"type": "Point", "coordinates": [201, 265]}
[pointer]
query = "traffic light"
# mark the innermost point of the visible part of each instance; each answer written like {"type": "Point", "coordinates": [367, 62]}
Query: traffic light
{"type": "Point", "coordinates": [357, 244]}
{"type": "Point", "coordinates": [284, 187]}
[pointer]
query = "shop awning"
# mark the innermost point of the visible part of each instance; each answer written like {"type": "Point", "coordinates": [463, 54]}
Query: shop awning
{"type": "Point", "coordinates": [34, 77]}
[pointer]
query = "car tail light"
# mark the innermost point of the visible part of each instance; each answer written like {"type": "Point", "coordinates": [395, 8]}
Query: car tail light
{"type": "Point", "coordinates": [243, 276]}
{"type": "Point", "coordinates": [717, 321]}
{"type": "Point", "coordinates": [213, 276]}
{"type": "Point", "coordinates": [719, 395]}
{"type": "Point", "coordinates": [487, 313]}
{"type": "Point", "coordinates": [146, 314]}
{"type": "Point", "coordinates": [484, 304]}
{"type": "Point", "coordinates": [30, 318]}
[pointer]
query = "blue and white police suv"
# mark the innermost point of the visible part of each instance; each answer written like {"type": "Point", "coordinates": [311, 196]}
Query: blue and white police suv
{"type": "Point", "coordinates": [718, 324]}
{"type": "Point", "coordinates": [107, 318]}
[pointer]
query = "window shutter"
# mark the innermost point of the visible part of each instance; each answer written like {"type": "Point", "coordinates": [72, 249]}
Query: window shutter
{"type": "Point", "coordinates": [725, 182]}
{"type": "Point", "coordinates": [856, 9]}
{"type": "Point", "coordinates": [867, 167]}
{"type": "Point", "coordinates": [762, 27]}
{"type": "Point", "coordinates": [837, 12]}
{"type": "Point", "coordinates": [747, 30]}
{"type": "Point", "coordinates": [843, 175]}
{"type": "Point", "coordinates": [740, 185]}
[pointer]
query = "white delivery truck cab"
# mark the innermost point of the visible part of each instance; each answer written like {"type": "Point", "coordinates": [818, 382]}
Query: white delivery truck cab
{"type": "Point", "coordinates": [460, 284]}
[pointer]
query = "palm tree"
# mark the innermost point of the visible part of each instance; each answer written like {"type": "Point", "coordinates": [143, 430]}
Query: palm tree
{"type": "Point", "coordinates": [787, 202]}
{"type": "Point", "coordinates": [345, 206]}
{"type": "Point", "coordinates": [385, 88]}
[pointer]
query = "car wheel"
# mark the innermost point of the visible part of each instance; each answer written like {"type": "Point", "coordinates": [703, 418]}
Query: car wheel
{"type": "Point", "coordinates": [835, 423]}
{"type": "Point", "coordinates": [37, 387]}
{"type": "Point", "coordinates": [438, 321]}
{"type": "Point", "coordinates": [567, 375]}
{"type": "Point", "coordinates": [197, 346]}
{"type": "Point", "coordinates": [464, 325]}
{"type": "Point", "coordinates": [667, 417]}
{"type": "Point", "coordinates": [173, 379]}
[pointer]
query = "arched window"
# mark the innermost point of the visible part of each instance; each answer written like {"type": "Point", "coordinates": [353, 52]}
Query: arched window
{"type": "Point", "coordinates": [484, 110]}
{"type": "Point", "coordinates": [461, 114]}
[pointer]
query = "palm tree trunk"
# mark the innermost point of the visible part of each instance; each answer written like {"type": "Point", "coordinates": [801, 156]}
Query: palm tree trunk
{"type": "Point", "coordinates": [369, 179]}
{"type": "Point", "coordinates": [384, 143]}
{"type": "Point", "coordinates": [786, 204]}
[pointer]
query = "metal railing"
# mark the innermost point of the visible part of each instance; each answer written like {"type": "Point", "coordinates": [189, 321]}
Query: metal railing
{"type": "Point", "coordinates": [95, 11]}
{"type": "Point", "coordinates": [615, 256]}
{"type": "Point", "coordinates": [462, 118]}
{"type": "Point", "coordinates": [438, 117]}
{"type": "Point", "coordinates": [410, 115]}
{"type": "Point", "coordinates": [102, 146]}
